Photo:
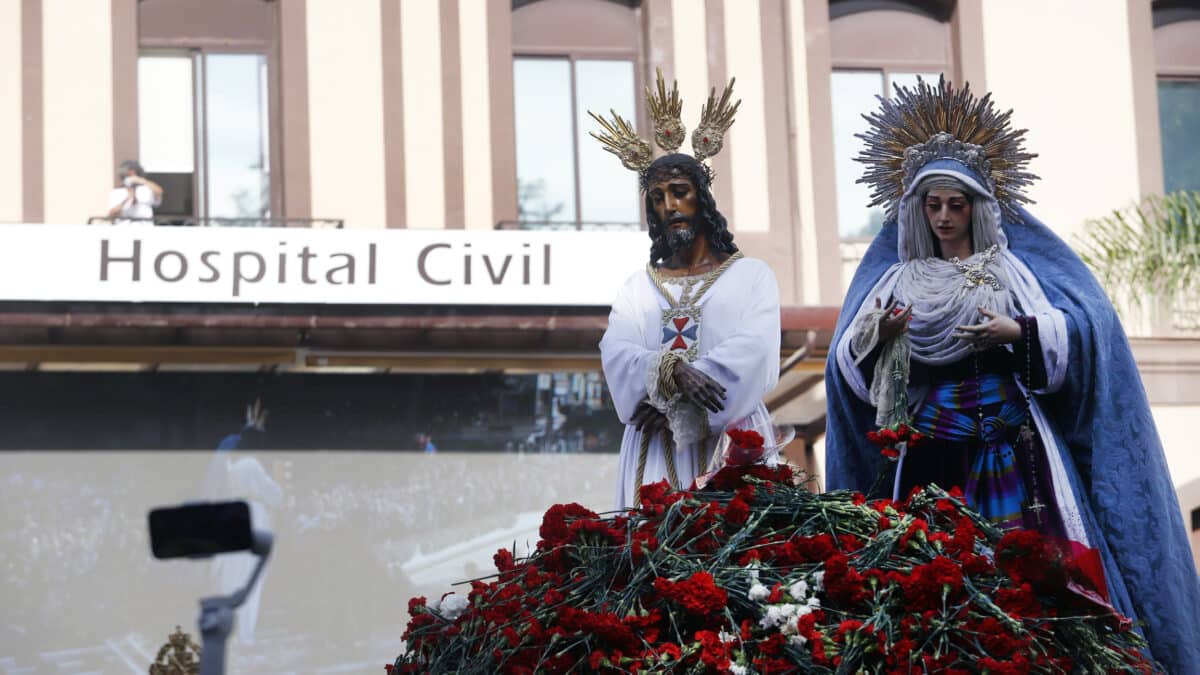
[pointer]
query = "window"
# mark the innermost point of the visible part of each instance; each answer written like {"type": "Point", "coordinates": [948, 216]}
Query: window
{"type": "Point", "coordinates": [204, 120]}
{"type": "Point", "coordinates": [203, 133]}
{"type": "Point", "coordinates": [1179, 115]}
{"type": "Point", "coordinates": [869, 62]}
{"type": "Point", "coordinates": [564, 176]}
{"type": "Point", "coordinates": [589, 61]}
{"type": "Point", "coordinates": [1177, 60]}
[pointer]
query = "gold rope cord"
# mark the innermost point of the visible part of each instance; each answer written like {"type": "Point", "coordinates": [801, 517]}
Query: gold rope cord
{"type": "Point", "coordinates": [668, 454]}
{"type": "Point", "coordinates": [709, 279]}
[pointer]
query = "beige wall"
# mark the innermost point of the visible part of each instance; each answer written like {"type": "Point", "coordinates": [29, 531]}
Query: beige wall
{"type": "Point", "coordinates": [78, 103]}
{"type": "Point", "coordinates": [801, 121]}
{"type": "Point", "coordinates": [690, 58]}
{"type": "Point", "coordinates": [1049, 91]}
{"type": "Point", "coordinates": [477, 129]}
{"type": "Point", "coordinates": [10, 111]}
{"type": "Point", "coordinates": [747, 140]}
{"type": "Point", "coordinates": [424, 157]}
{"type": "Point", "coordinates": [1177, 429]}
{"type": "Point", "coordinates": [1074, 92]}
{"type": "Point", "coordinates": [1189, 499]}
{"type": "Point", "coordinates": [345, 99]}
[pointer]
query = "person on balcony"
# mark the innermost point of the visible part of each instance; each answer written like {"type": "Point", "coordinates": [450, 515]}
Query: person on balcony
{"type": "Point", "coordinates": [134, 199]}
{"type": "Point", "coordinates": [692, 344]}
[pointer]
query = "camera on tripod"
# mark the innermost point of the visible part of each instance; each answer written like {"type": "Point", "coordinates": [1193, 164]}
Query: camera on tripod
{"type": "Point", "coordinates": [202, 530]}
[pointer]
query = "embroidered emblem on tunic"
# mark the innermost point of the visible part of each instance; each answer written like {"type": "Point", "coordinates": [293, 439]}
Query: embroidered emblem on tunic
{"type": "Point", "coordinates": [681, 332]}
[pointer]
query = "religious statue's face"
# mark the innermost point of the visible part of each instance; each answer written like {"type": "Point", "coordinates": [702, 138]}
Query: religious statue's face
{"type": "Point", "coordinates": [676, 203]}
{"type": "Point", "coordinates": [949, 215]}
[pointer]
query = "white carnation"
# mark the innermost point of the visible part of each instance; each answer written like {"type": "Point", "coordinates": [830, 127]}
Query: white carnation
{"type": "Point", "coordinates": [737, 669]}
{"type": "Point", "coordinates": [452, 606]}
{"type": "Point", "coordinates": [797, 640]}
{"type": "Point", "coordinates": [758, 592]}
{"type": "Point", "coordinates": [798, 590]}
{"type": "Point", "coordinates": [819, 581]}
{"type": "Point", "coordinates": [779, 615]}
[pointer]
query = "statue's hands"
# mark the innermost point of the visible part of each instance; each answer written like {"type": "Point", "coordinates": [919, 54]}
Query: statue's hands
{"type": "Point", "coordinates": [648, 419]}
{"type": "Point", "coordinates": [894, 319]}
{"type": "Point", "coordinates": [698, 388]}
{"type": "Point", "coordinates": [996, 330]}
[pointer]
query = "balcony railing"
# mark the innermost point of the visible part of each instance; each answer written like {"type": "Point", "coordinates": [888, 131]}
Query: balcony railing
{"type": "Point", "coordinates": [190, 221]}
{"type": "Point", "coordinates": [588, 226]}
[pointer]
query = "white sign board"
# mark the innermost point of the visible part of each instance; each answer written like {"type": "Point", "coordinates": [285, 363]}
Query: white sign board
{"type": "Point", "coordinates": [129, 263]}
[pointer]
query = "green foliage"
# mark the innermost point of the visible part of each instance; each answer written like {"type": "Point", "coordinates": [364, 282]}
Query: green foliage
{"type": "Point", "coordinates": [1148, 252]}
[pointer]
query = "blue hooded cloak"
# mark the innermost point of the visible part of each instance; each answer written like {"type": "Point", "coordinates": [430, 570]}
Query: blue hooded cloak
{"type": "Point", "coordinates": [1120, 475]}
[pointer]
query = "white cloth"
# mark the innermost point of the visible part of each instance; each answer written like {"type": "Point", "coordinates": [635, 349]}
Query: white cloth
{"type": "Point", "coordinates": [738, 347]}
{"type": "Point", "coordinates": [141, 209]}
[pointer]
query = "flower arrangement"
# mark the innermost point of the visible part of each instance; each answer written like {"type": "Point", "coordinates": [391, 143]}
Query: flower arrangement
{"type": "Point", "coordinates": [756, 573]}
{"type": "Point", "coordinates": [889, 439]}
{"type": "Point", "coordinates": [745, 447]}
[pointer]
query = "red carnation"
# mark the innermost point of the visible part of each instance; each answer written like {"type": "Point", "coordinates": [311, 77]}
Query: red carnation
{"type": "Point", "coordinates": [504, 560]}
{"type": "Point", "coordinates": [737, 512]}
{"type": "Point", "coordinates": [670, 650]}
{"type": "Point", "coordinates": [714, 652]}
{"type": "Point", "coordinates": [843, 583]}
{"type": "Point", "coordinates": [1019, 602]}
{"type": "Point", "coordinates": [773, 645]}
{"type": "Point", "coordinates": [745, 438]}
{"type": "Point", "coordinates": [697, 594]}
{"type": "Point", "coordinates": [554, 530]}
{"type": "Point", "coordinates": [746, 447]}
{"type": "Point", "coordinates": [1026, 556]}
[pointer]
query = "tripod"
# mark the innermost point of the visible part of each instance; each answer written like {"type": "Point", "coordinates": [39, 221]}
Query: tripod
{"type": "Point", "coordinates": [216, 613]}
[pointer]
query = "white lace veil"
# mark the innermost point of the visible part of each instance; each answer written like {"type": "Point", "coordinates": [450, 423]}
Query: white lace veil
{"type": "Point", "coordinates": [939, 292]}
{"type": "Point", "coordinates": [915, 239]}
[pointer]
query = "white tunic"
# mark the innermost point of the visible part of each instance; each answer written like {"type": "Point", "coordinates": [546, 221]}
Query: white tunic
{"type": "Point", "coordinates": [738, 347]}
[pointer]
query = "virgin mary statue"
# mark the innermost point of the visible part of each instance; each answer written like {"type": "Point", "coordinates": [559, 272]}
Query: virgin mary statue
{"type": "Point", "coordinates": [971, 323]}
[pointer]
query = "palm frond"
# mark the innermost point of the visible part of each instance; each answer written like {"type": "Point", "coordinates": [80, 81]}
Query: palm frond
{"type": "Point", "coordinates": [1148, 253]}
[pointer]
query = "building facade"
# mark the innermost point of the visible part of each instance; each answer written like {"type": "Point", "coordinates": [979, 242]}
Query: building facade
{"type": "Point", "coordinates": [442, 113]}
{"type": "Point", "coordinates": [471, 114]}
{"type": "Point", "coordinates": [417, 123]}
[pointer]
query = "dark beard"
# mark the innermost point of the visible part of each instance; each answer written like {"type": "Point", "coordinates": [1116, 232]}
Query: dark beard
{"type": "Point", "coordinates": [680, 240]}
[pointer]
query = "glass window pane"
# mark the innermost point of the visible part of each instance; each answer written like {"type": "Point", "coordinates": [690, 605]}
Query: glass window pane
{"type": "Point", "coordinates": [1179, 116]}
{"type": "Point", "coordinates": [545, 149]}
{"type": "Point", "coordinates": [236, 108]}
{"type": "Point", "coordinates": [854, 94]}
{"type": "Point", "coordinates": [608, 192]}
{"type": "Point", "coordinates": [166, 138]}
